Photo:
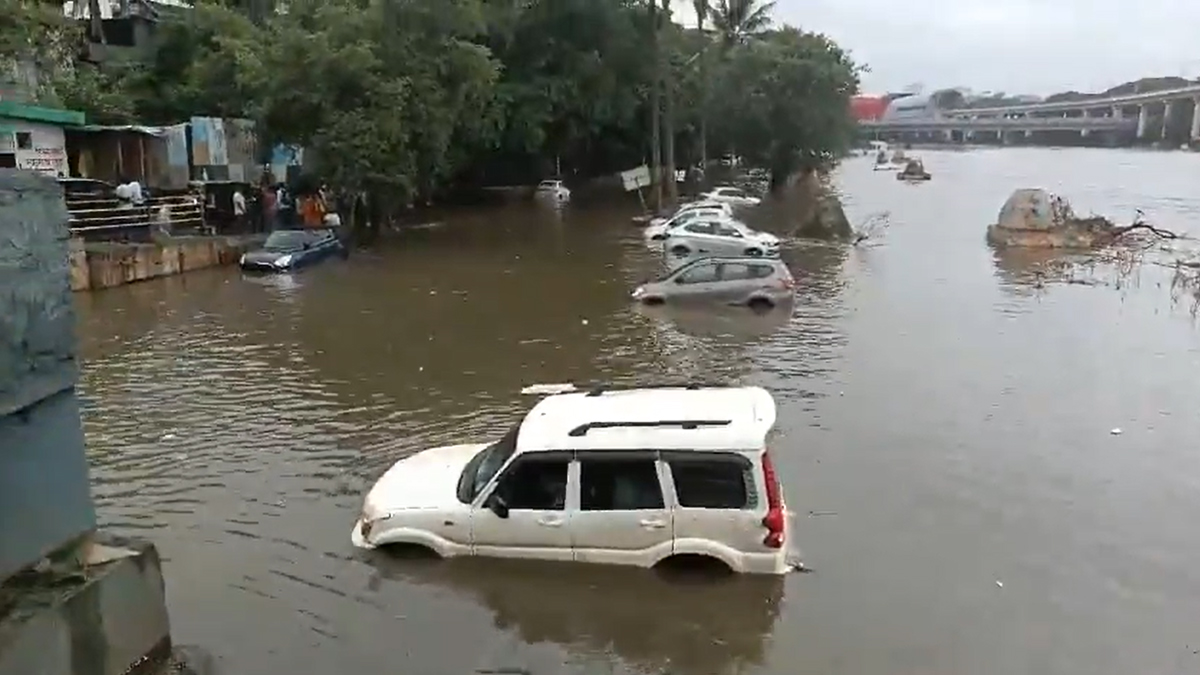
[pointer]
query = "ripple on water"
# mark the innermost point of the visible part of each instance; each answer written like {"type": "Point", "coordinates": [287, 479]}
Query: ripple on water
{"type": "Point", "coordinates": [944, 405]}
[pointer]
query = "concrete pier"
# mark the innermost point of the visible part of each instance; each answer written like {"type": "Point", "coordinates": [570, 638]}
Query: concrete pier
{"type": "Point", "coordinates": [71, 603]}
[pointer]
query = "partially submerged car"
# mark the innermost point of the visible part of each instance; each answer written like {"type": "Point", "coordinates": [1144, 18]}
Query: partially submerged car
{"type": "Point", "coordinates": [699, 204]}
{"type": "Point", "coordinates": [720, 237]}
{"type": "Point", "coordinates": [759, 283]}
{"type": "Point", "coordinates": [657, 231]}
{"type": "Point", "coordinates": [290, 249]}
{"type": "Point", "coordinates": [636, 477]}
{"type": "Point", "coordinates": [734, 196]}
{"type": "Point", "coordinates": [553, 190]}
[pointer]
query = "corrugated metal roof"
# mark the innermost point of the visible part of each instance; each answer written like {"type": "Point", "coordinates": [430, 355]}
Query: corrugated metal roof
{"type": "Point", "coordinates": [136, 128]}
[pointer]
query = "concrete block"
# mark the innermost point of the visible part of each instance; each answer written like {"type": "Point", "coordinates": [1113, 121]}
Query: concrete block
{"type": "Point", "coordinates": [111, 619]}
{"type": "Point", "coordinates": [80, 278]}
{"type": "Point", "coordinates": [45, 496]}
{"type": "Point", "coordinates": [37, 319]}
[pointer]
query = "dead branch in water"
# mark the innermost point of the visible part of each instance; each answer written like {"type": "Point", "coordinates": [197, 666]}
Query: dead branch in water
{"type": "Point", "coordinates": [1139, 223]}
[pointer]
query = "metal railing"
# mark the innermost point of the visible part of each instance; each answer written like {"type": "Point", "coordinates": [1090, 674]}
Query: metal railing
{"type": "Point", "coordinates": [105, 218]}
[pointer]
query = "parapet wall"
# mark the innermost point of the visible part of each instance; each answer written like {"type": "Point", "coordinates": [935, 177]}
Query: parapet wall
{"type": "Point", "coordinates": [44, 496]}
{"type": "Point", "coordinates": [97, 265]}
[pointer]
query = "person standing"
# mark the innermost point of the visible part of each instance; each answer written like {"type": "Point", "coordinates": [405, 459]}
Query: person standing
{"type": "Point", "coordinates": [285, 205]}
{"type": "Point", "coordinates": [239, 209]}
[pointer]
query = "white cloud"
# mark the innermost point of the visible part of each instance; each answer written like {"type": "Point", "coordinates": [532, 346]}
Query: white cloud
{"type": "Point", "coordinates": [1025, 46]}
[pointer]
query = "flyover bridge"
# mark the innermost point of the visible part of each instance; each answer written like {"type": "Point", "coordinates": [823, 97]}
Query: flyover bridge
{"type": "Point", "coordinates": [1124, 113]}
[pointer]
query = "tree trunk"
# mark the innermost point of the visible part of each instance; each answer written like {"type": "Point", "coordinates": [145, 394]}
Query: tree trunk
{"type": "Point", "coordinates": [669, 124]}
{"type": "Point", "coordinates": [95, 23]}
{"type": "Point", "coordinates": [655, 109]}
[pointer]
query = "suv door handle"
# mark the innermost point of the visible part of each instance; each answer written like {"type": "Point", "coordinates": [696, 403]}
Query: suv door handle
{"type": "Point", "coordinates": [653, 523]}
{"type": "Point", "coordinates": [550, 522]}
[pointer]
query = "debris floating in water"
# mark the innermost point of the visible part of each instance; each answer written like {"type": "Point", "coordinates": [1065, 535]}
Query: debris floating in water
{"type": "Point", "coordinates": [1116, 431]}
{"type": "Point", "coordinates": [548, 389]}
{"type": "Point", "coordinates": [999, 584]}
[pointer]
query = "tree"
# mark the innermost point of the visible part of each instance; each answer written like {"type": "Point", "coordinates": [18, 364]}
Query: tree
{"type": "Point", "coordinates": [783, 101]}
{"type": "Point", "coordinates": [949, 99]}
{"type": "Point", "coordinates": [739, 20]}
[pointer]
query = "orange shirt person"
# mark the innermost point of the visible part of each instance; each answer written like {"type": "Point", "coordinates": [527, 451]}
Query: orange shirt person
{"type": "Point", "coordinates": [312, 211]}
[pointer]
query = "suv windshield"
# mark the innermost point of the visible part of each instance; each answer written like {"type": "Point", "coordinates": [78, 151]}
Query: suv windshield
{"type": "Point", "coordinates": [484, 466]}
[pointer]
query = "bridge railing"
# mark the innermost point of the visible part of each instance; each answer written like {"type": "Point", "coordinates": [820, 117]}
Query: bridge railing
{"type": "Point", "coordinates": [1001, 124]}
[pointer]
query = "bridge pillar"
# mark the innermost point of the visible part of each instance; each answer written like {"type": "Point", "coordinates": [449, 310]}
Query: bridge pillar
{"type": "Point", "coordinates": [1143, 119]}
{"type": "Point", "coordinates": [1195, 119]}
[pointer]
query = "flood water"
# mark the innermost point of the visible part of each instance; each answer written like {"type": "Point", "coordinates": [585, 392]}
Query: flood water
{"type": "Point", "coordinates": [945, 419]}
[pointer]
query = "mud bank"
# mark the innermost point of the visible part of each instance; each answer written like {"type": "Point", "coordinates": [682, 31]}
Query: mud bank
{"type": "Point", "coordinates": [97, 265]}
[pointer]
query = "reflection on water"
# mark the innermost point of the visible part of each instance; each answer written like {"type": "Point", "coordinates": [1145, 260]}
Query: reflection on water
{"type": "Point", "coordinates": [948, 406]}
{"type": "Point", "coordinates": [594, 613]}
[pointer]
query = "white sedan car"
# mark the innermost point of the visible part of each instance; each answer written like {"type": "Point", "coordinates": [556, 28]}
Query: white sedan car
{"type": "Point", "coordinates": [661, 230]}
{"type": "Point", "coordinates": [731, 195]}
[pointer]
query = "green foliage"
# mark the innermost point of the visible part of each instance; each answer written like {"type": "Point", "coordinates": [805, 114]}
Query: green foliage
{"type": "Point", "coordinates": [740, 20]}
{"type": "Point", "coordinates": [782, 101]}
{"type": "Point", "coordinates": [402, 98]}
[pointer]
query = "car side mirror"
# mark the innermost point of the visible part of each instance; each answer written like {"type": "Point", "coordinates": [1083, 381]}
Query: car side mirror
{"type": "Point", "coordinates": [497, 505]}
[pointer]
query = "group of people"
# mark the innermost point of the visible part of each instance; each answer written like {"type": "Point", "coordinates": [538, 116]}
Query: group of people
{"type": "Point", "coordinates": [289, 207]}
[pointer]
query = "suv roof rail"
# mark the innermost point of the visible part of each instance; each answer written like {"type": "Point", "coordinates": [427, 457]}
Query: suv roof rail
{"type": "Point", "coordinates": [600, 389]}
{"type": "Point", "coordinates": [583, 429]}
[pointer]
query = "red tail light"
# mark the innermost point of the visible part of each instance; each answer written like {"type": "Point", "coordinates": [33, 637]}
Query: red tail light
{"type": "Point", "coordinates": [787, 283]}
{"type": "Point", "coordinates": [774, 520]}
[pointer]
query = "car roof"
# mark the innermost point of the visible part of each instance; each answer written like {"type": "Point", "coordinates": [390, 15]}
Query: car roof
{"type": "Point", "coordinates": [660, 418]}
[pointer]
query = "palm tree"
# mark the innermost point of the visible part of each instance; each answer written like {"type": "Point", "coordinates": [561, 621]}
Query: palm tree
{"type": "Point", "coordinates": [738, 20]}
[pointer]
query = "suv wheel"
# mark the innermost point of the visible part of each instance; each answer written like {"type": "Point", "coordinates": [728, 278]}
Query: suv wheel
{"type": "Point", "coordinates": [680, 250]}
{"type": "Point", "coordinates": [754, 252]}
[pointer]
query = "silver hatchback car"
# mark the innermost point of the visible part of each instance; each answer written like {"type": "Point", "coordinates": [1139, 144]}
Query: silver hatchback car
{"type": "Point", "coordinates": [720, 237]}
{"type": "Point", "coordinates": [760, 283]}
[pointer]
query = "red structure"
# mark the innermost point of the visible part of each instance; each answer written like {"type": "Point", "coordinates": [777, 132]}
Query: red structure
{"type": "Point", "coordinates": [869, 108]}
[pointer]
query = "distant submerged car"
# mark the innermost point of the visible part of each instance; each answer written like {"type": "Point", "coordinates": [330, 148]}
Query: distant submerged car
{"type": "Point", "coordinates": [731, 195]}
{"type": "Point", "coordinates": [554, 190]}
{"type": "Point", "coordinates": [289, 249]}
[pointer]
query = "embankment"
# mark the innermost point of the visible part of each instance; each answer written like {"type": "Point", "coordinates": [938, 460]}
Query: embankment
{"type": "Point", "coordinates": [97, 265]}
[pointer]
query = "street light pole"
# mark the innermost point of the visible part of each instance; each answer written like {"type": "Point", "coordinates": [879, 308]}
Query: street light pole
{"type": "Point", "coordinates": [669, 83]}
{"type": "Point", "coordinates": [655, 109]}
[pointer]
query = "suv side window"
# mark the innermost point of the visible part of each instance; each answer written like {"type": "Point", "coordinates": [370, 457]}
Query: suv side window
{"type": "Point", "coordinates": [698, 275]}
{"type": "Point", "coordinates": [712, 481]}
{"type": "Point", "coordinates": [761, 271]}
{"type": "Point", "coordinates": [536, 483]}
{"type": "Point", "coordinates": [736, 272]}
{"type": "Point", "coordinates": [729, 232]}
{"type": "Point", "coordinates": [619, 484]}
{"type": "Point", "coordinates": [699, 228]}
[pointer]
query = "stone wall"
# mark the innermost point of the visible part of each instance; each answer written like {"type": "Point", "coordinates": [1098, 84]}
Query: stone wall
{"type": "Point", "coordinates": [103, 264]}
{"type": "Point", "coordinates": [44, 495]}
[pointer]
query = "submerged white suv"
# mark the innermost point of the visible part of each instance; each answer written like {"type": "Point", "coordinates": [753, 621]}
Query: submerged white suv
{"type": "Point", "coordinates": [620, 476]}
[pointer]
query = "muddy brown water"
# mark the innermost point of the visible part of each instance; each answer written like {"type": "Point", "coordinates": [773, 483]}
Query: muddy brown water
{"type": "Point", "coordinates": [944, 415]}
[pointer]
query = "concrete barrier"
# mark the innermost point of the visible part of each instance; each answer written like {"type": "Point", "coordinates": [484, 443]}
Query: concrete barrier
{"type": "Point", "coordinates": [69, 605]}
{"type": "Point", "coordinates": [105, 621]}
{"type": "Point", "coordinates": [97, 265]}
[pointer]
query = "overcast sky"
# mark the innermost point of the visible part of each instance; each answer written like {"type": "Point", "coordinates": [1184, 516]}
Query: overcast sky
{"type": "Point", "coordinates": [1016, 46]}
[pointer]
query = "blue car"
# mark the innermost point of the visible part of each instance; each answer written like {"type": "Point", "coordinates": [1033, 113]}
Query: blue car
{"type": "Point", "coordinates": [289, 249]}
